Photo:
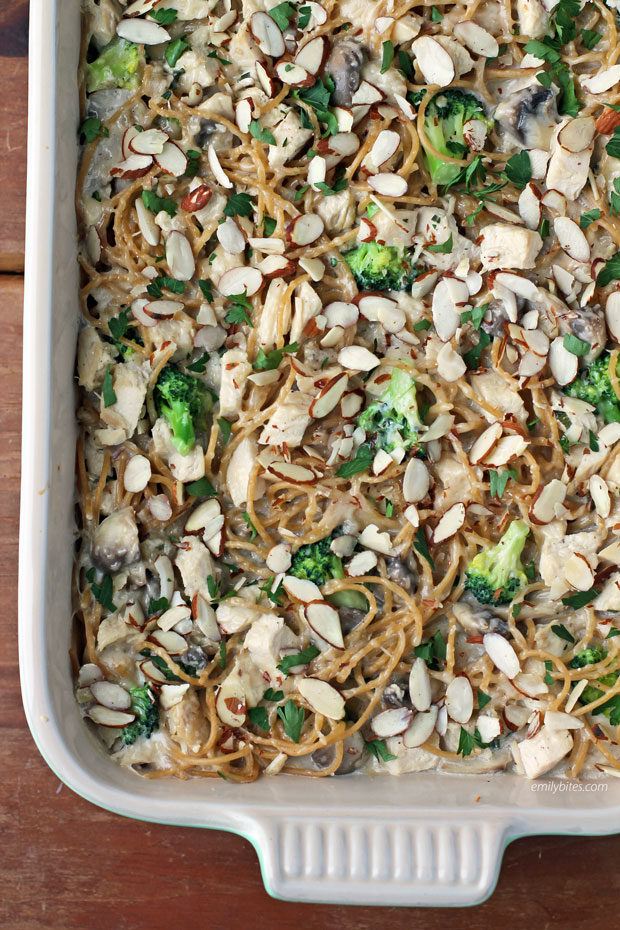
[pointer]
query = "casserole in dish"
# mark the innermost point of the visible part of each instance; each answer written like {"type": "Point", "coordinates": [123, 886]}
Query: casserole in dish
{"type": "Point", "coordinates": [425, 840]}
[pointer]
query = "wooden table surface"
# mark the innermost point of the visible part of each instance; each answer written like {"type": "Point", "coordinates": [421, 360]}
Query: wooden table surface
{"type": "Point", "coordinates": [65, 864]}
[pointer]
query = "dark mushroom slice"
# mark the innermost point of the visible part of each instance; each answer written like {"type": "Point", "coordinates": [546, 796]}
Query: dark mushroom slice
{"type": "Point", "coordinates": [204, 136]}
{"type": "Point", "coordinates": [353, 751]}
{"type": "Point", "coordinates": [344, 66]}
{"type": "Point", "coordinates": [588, 325]}
{"type": "Point", "coordinates": [528, 117]}
{"type": "Point", "coordinates": [403, 573]}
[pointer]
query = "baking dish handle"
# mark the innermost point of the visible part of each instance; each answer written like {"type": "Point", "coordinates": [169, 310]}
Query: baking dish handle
{"type": "Point", "coordinates": [389, 860]}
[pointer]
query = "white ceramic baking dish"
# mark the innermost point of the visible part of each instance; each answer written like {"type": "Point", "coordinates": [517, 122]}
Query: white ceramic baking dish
{"type": "Point", "coordinates": [417, 840]}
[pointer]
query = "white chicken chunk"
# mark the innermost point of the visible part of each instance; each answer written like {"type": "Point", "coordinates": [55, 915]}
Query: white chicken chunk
{"type": "Point", "coordinates": [190, 467]}
{"type": "Point", "coordinates": [609, 598]}
{"type": "Point", "coordinates": [288, 423]}
{"type": "Point", "coordinates": [533, 18]}
{"type": "Point", "coordinates": [235, 370]}
{"type": "Point", "coordinates": [291, 132]}
{"type": "Point", "coordinates": [542, 752]}
{"type": "Point", "coordinates": [568, 171]}
{"type": "Point", "coordinates": [129, 383]}
{"type": "Point", "coordinates": [196, 565]}
{"type": "Point", "coordinates": [238, 473]}
{"type": "Point", "coordinates": [250, 679]}
{"type": "Point", "coordinates": [307, 304]}
{"type": "Point", "coordinates": [556, 549]}
{"type": "Point", "coordinates": [407, 760]}
{"type": "Point", "coordinates": [264, 641]}
{"type": "Point", "coordinates": [495, 392]}
{"type": "Point", "coordinates": [507, 246]}
{"type": "Point", "coordinates": [273, 310]}
{"type": "Point", "coordinates": [187, 724]}
{"type": "Point", "coordinates": [93, 358]}
{"type": "Point", "coordinates": [337, 211]}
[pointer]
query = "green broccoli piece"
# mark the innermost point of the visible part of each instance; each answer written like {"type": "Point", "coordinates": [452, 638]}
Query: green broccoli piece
{"type": "Point", "coordinates": [118, 65]}
{"type": "Point", "coordinates": [393, 421]}
{"type": "Point", "coordinates": [610, 708]}
{"type": "Point", "coordinates": [444, 118]}
{"type": "Point", "coordinates": [495, 575]}
{"type": "Point", "coordinates": [144, 705]}
{"type": "Point", "coordinates": [378, 267]}
{"type": "Point", "coordinates": [594, 386]}
{"type": "Point", "coordinates": [184, 401]}
{"type": "Point", "coordinates": [316, 562]}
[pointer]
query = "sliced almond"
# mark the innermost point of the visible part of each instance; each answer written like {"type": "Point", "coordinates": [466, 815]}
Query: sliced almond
{"type": "Point", "coordinates": [367, 93]}
{"type": "Point", "coordinates": [602, 80]}
{"type": "Point", "coordinates": [137, 474]}
{"type": "Point", "coordinates": [505, 450]}
{"type": "Point", "coordinates": [276, 266]}
{"type": "Point", "coordinates": [322, 697]}
{"type": "Point", "coordinates": [152, 672]}
{"type": "Point", "coordinates": [475, 134]}
{"type": "Point", "coordinates": [111, 695]}
{"type": "Point", "coordinates": [421, 729]}
{"type": "Point", "coordinates": [572, 239]}
{"type": "Point", "coordinates": [139, 7]}
{"type": "Point", "coordinates": [529, 206]}
{"type": "Point", "coordinates": [420, 691]}
{"type": "Point", "coordinates": [424, 284]}
{"type": "Point", "coordinates": [230, 702]}
{"type": "Point", "coordinates": [267, 35]}
{"type": "Point", "coordinates": [450, 365]}
{"type": "Point", "coordinates": [172, 160]}
{"type": "Point", "coordinates": [292, 73]}
{"type": "Point", "coordinates": [142, 31]}
{"type": "Point", "coordinates": [241, 280]}
{"type": "Point", "coordinates": [279, 558]}
{"type": "Point", "coordinates": [196, 199]}
{"type": "Point", "coordinates": [305, 229]}
{"type": "Point", "coordinates": [459, 699]}
{"type": "Point", "coordinates": [104, 717]}
{"type": "Point", "coordinates": [372, 538]}
{"type": "Point", "coordinates": [341, 313]}
{"type": "Point", "coordinates": [556, 720]}
{"type": "Point", "coordinates": [301, 589]}
{"type": "Point", "coordinates": [243, 114]}
{"type": "Point", "coordinates": [289, 471]}
{"type": "Point", "coordinates": [477, 39]}
{"type": "Point", "coordinates": [357, 358]}
{"type": "Point", "coordinates": [416, 481]}
{"type": "Point", "coordinates": [612, 315]}
{"type": "Point", "coordinates": [445, 317]}
{"type": "Point", "coordinates": [531, 365]}
{"type": "Point", "coordinates": [391, 722]}
{"type": "Point", "coordinates": [214, 164]}
{"type": "Point", "coordinates": [351, 404]}
{"type": "Point", "coordinates": [361, 564]}
{"type": "Point", "coordinates": [405, 106]}
{"type": "Point", "coordinates": [501, 654]}
{"type": "Point", "coordinates": [312, 55]}
{"type": "Point", "coordinates": [172, 642]}
{"type": "Point", "coordinates": [230, 237]}
{"type": "Point", "coordinates": [563, 364]}
{"type": "Point", "coordinates": [599, 492]}
{"type": "Point", "coordinates": [172, 616]}
{"type": "Point", "coordinates": [385, 145]}
{"type": "Point", "coordinates": [146, 223]}
{"type": "Point", "coordinates": [440, 427]}
{"type": "Point", "coordinates": [179, 256]}
{"type": "Point", "coordinates": [314, 267]}
{"type": "Point", "coordinates": [450, 523]}
{"type": "Point", "coordinates": [578, 572]}
{"type": "Point", "coordinates": [433, 61]}
{"type": "Point", "coordinates": [162, 309]}
{"type": "Point", "coordinates": [381, 462]}
{"type": "Point", "coordinates": [135, 166]}
{"type": "Point", "coordinates": [205, 619]}
{"type": "Point", "coordinates": [317, 172]}
{"type": "Point", "coordinates": [554, 201]}
{"type": "Point", "coordinates": [329, 396]}
{"type": "Point", "coordinates": [149, 142]}
{"type": "Point", "coordinates": [325, 621]}
{"type": "Point", "coordinates": [484, 443]}
{"type": "Point", "coordinates": [389, 185]}
{"type": "Point", "coordinates": [577, 134]}
{"type": "Point", "coordinates": [519, 285]}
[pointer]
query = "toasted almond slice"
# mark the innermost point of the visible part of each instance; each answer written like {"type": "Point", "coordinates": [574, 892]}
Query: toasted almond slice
{"type": "Point", "coordinates": [202, 515]}
{"type": "Point", "coordinates": [484, 443]}
{"type": "Point", "coordinates": [506, 449]}
{"type": "Point", "coordinates": [367, 94]}
{"type": "Point", "coordinates": [172, 616]}
{"type": "Point", "coordinates": [214, 163]}
{"type": "Point", "coordinates": [276, 266]}
{"type": "Point", "coordinates": [136, 166]}
{"type": "Point", "coordinates": [322, 697]}
{"type": "Point", "coordinates": [391, 722]}
{"type": "Point", "coordinates": [196, 199]}
{"type": "Point", "coordinates": [361, 564]}
{"type": "Point", "coordinates": [88, 673]}
{"type": "Point", "coordinates": [312, 55]}
{"type": "Point", "coordinates": [440, 427]}
{"type": "Point", "coordinates": [531, 365]}
{"type": "Point", "coordinates": [205, 619]}
{"type": "Point", "coordinates": [381, 462]}
{"type": "Point", "coordinates": [477, 39]}
{"type": "Point", "coordinates": [556, 720]}
{"type": "Point", "coordinates": [137, 473]}
{"type": "Point", "coordinates": [529, 206]}
{"type": "Point", "coordinates": [496, 209]}
{"type": "Point", "coordinates": [421, 729]}
{"type": "Point", "coordinates": [146, 223]}
{"type": "Point", "coordinates": [243, 114]}
{"type": "Point", "coordinates": [292, 73]}
{"type": "Point", "coordinates": [433, 61]}
{"type": "Point", "coordinates": [519, 285]}
{"type": "Point", "coordinates": [111, 695]}
{"type": "Point", "coordinates": [128, 135]}
{"type": "Point", "coordinates": [602, 80]}
{"type": "Point", "coordinates": [612, 315]}
{"type": "Point", "coordinates": [162, 309]}
{"type": "Point", "coordinates": [459, 699]}
{"type": "Point", "coordinates": [515, 716]}
{"type": "Point", "coordinates": [424, 284]}
{"type": "Point", "coordinates": [577, 134]}
{"type": "Point", "coordinates": [563, 364]}
{"type": "Point", "coordinates": [369, 305]}
{"type": "Point", "coordinates": [405, 106]}
{"type": "Point", "coordinates": [172, 642]}
{"type": "Point", "coordinates": [357, 358]}
{"type": "Point", "coordinates": [305, 229]}
{"type": "Point", "coordinates": [576, 694]}
{"type": "Point", "coordinates": [152, 672]}
{"type": "Point", "coordinates": [501, 654]}
{"type": "Point", "coordinates": [288, 471]}
{"type": "Point", "coordinates": [265, 80]}
{"type": "Point", "coordinates": [599, 492]}
{"type": "Point", "coordinates": [279, 558]}
{"type": "Point", "coordinates": [420, 691]}
{"type": "Point", "coordinates": [266, 33]}
{"type": "Point", "coordinates": [230, 702]}
{"type": "Point", "coordinates": [450, 365]}
{"type": "Point", "coordinates": [317, 172]}
{"type": "Point", "coordinates": [104, 717]}
{"type": "Point", "coordinates": [301, 589]}
{"type": "Point", "coordinates": [389, 185]}
{"type": "Point", "coordinates": [416, 481]}
{"type": "Point", "coordinates": [563, 278]}
{"type": "Point", "coordinates": [351, 404]}
{"type": "Point", "coordinates": [607, 121]}
{"type": "Point", "coordinates": [555, 201]}
{"type": "Point", "coordinates": [578, 572]}
{"type": "Point", "coordinates": [328, 396]}
{"type": "Point", "coordinates": [179, 256]}
{"type": "Point", "coordinates": [475, 134]}
{"type": "Point", "coordinates": [172, 159]}
{"type": "Point", "coordinates": [372, 538]}
{"type": "Point", "coordinates": [385, 145]}
{"type": "Point", "coordinates": [449, 524]}
{"type": "Point", "coordinates": [340, 313]}
{"type": "Point", "coordinates": [536, 341]}
{"type": "Point", "coordinates": [241, 280]}
{"type": "Point", "coordinates": [314, 267]}
{"type": "Point", "coordinates": [149, 142]}
{"type": "Point", "coordinates": [325, 621]}
{"type": "Point", "coordinates": [572, 239]}
{"type": "Point", "coordinates": [445, 317]}
{"type": "Point", "coordinates": [383, 23]}
{"type": "Point", "coordinates": [142, 31]}
{"type": "Point", "coordinates": [230, 237]}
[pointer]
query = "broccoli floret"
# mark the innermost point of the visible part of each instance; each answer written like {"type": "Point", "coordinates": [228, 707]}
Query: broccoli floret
{"type": "Point", "coordinates": [594, 386]}
{"type": "Point", "coordinates": [184, 401]}
{"type": "Point", "coordinates": [610, 708]}
{"type": "Point", "coordinates": [393, 421]}
{"type": "Point", "coordinates": [316, 562]}
{"type": "Point", "coordinates": [444, 118]}
{"type": "Point", "coordinates": [495, 575]}
{"type": "Point", "coordinates": [144, 705]}
{"type": "Point", "coordinates": [378, 267]}
{"type": "Point", "coordinates": [118, 65]}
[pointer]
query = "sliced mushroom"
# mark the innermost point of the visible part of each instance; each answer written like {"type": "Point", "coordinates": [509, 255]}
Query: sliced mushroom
{"type": "Point", "coordinates": [344, 65]}
{"type": "Point", "coordinates": [589, 325]}
{"type": "Point", "coordinates": [115, 542]}
{"type": "Point", "coordinates": [204, 136]}
{"type": "Point", "coordinates": [529, 117]}
{"type": "Point", "coordinates": [353, 751]}
{"type": "Point", "coordinates": [402, 573]}
{"type": "Point", "coordinates": [495, 318]}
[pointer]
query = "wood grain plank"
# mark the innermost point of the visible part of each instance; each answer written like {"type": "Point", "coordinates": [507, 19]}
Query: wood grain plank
{"type": "Point", "coordinates": [13, 124]}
